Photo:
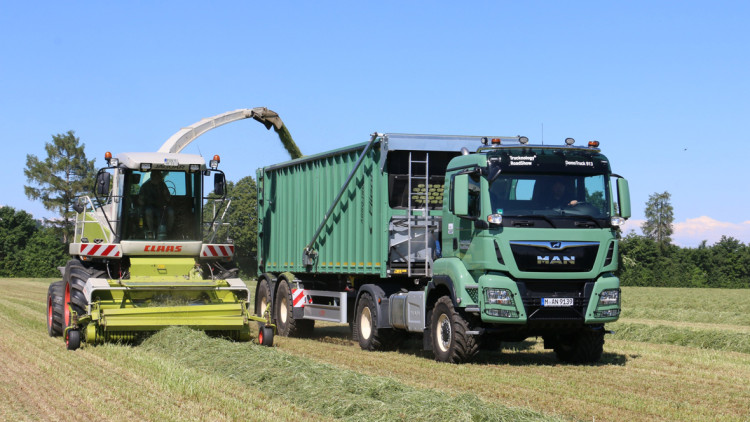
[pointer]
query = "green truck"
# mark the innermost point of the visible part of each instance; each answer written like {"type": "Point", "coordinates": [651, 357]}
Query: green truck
{"type": "Point", "coordinates": [468, 240]}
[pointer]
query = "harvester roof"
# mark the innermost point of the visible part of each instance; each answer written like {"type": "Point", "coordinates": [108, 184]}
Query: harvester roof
{"type": "Point", "coordinates": [160, 160]}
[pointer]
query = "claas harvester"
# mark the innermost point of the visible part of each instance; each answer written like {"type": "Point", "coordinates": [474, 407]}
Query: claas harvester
{"type": "Point", "coordinates": [144, 255]}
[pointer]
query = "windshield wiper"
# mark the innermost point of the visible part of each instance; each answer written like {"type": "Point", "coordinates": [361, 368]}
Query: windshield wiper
{"type": "Point", "coordinates": [580, 223]}
{"type": "Point", "coordinates": [542, 216]}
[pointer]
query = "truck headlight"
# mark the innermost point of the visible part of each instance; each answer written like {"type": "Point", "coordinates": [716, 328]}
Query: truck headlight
{"type": "Point", "coordinates": [609, 297]}
{"type": "Point", "coordinates": [498, 297]}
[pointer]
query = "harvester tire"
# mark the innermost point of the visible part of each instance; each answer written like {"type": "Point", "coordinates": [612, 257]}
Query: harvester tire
{"type": "Point", "coordinates": [73, 340]}
{"type": "Point", "coordinates": [262, 300]}
{"type": "Point", "coordinates": [55, 309]}
{"type": "Point", "coordinates": [286, 325]}
{"type": "Point", "coordinates": [583, 347]}
{"type": "Point", "coordinates": [366, 331]}
{"type": "Point", "coordinates": [74, 280]}
{"type": "Point", "coordinates": [265, 336]}
{"type": "Point", "coordinates": [450, 342]}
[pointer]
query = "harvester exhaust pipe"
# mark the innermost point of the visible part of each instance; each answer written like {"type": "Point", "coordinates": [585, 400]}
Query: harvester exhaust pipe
{"type": "Point", "coordinates": [268, 118]}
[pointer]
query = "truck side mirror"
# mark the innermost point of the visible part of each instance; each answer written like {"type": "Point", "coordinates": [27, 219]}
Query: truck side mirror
{"type": "Point", "coordinates": [102, 183]}
{"type": "Point", "coordinates": [460, 195]}
{"type": "Point", "coordinates": [623, 197]}
{"type": "Point", "coordinates": [220, 184]}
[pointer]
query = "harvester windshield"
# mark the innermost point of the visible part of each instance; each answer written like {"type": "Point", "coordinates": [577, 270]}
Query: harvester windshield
{"type": "Point", "coordinates": [161, 205]}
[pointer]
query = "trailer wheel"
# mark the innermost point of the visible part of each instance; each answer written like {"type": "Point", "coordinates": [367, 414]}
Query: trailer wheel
{"type": "Point", "coordinates": [450, 343]}
{"type": "Point", "coordinates": [583, 347]}
{"type": "Point", "coordinates": [286, 325]}
{"type": "Point", "coordinates": [55, 309]}
{"type": "Point", "coordinates": [265, 336]}
{"type": "Point", "coordinates": [73, 339]}
{"type": "Point", "coordinates": [365, 329]}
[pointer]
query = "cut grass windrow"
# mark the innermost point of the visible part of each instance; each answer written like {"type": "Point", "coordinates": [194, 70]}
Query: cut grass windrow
{"type": "Point", "coordinates": [321, 388]}
{"type": "Point", "coordinates": [724, 340]}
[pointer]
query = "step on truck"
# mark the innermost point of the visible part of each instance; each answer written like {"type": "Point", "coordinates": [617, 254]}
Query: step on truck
{"type": "Point", "coordinates": [469, 241]}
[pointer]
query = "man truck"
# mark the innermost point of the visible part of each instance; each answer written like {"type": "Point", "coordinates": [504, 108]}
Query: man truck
{"type": "Point", "coordinates": [466, 240]}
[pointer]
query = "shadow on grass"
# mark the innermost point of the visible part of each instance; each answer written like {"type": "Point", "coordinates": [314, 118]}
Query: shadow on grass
{"type": "Point", "coordinates": [510, 353]}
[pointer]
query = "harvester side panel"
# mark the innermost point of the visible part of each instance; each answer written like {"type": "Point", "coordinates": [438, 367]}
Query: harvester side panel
{"type": "Point", "coordinates": [294, 199]}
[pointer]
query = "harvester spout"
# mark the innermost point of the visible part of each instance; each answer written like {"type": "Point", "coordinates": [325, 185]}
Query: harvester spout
{"type": "Point", "coordinates": [268, 118]}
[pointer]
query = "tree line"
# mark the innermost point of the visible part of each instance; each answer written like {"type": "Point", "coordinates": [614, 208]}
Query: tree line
{"type": "Point", "coordinates": [35, 249]}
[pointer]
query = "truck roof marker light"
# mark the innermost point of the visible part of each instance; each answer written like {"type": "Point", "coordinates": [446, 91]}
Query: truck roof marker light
{"type": "Point", "coordinates": [215, 162]}
{"type": "Point", "coordinates": [495, 141]}
{"type": "Point", "coordinates": [593, 144]}
{"type": "Point", "coordinates": [570, 141]}
{"type": "Point", "coordinates": [523, 140]}
{"type": "Point", "coordinates": [485, 141]}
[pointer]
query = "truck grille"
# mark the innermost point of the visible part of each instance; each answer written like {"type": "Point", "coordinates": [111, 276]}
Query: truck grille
{"type": "Point", "coordinates": [545, 256]}
{"type": "Point", "coordinates": [532, 292]}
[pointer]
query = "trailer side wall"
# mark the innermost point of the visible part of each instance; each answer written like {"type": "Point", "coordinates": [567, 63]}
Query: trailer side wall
{"type": "Point", "coordinates": [293, 199]}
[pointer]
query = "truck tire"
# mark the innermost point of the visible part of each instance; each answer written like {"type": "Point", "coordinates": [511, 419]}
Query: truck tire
{"type": "Point", "coordinates": [262, 300]}
{"type": "Point", "coordinates": [55, 309]}
{"type": "Point", "coordinates": [286, 325]}
{"type": "Point", "coordinates": [365, 329]}
{"type": "Point", "coordinates": [450, 343]}
{"type": "Point", "coordinates": [585, 346]}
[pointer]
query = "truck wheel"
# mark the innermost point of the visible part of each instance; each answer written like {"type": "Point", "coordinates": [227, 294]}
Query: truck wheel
{"type": "Point", "coordinates": [262, 301]}
{"type": "Point", "coordinates": [450, 343]}
{"type": "Point", "coordinates": [55, 309]}
{"type": "Point", "coordinates": [265, 336]}
{"type": "Point", "coordinates": [73, 339]}
{"type": "Point", "coordinates": [286, 325]}
{"type": "Point", "coordinates": [583, 347]}
{"type": "Point", "coordinates": [365, 329]}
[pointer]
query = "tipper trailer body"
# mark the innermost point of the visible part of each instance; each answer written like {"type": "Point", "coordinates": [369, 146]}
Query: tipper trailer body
{"type": "Point", "coordinates": [416, 234]}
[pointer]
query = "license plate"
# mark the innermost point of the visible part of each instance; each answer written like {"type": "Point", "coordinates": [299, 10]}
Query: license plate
{"type": "Point", "coordinates": [557, 301]}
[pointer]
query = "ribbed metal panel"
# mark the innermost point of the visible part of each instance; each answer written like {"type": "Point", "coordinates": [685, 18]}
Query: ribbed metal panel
{"type": "Point", "coordinates": [293, 202]}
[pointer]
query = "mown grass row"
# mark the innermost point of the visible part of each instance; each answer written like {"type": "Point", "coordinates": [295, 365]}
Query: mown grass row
{"type": "Point", "coordinates": [322, 388]}
{"type": "Point", "coordinates": [729, 341]}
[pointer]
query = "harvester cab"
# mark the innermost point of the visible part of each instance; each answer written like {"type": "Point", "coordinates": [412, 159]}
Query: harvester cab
{"type": "Point", "coordinates": [144, 256]}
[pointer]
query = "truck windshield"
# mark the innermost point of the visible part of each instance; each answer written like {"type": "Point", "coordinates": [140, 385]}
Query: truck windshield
{"type": "Point", "coordinates": [161, 205]}
{"type": "Point", "coordinates": [551, 195]}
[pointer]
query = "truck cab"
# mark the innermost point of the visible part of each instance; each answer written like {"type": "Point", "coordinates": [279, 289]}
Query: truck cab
{"type": "Point", "coordinates": [534, 231]}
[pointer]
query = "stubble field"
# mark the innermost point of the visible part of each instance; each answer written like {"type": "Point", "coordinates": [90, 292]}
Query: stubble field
{"type": "Point", "coordinates": [677, 354]}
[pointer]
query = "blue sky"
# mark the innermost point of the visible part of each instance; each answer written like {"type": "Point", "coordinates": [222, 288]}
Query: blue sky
{"type": "Point", "coordinates": [664, 86]}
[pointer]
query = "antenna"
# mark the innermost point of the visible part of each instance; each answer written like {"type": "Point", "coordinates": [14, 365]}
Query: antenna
{"type": "Point", "coordinates": [542, 133]}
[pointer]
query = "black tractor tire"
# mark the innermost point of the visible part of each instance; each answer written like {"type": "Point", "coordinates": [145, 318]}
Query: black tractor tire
{"type": "Point", "coordinates": [265, 336]}
{"type": "Point", "coordinates": [74, 281]}
{"type": "Point", "coordinates": [263, 301]}
{"type": "Point", "coordinates": [450, 343]}
{"type": "Point", "coordinates": [583, 347]}
{"type": "Point", "coordinates": [366, 331]}
{"type": "Point", "coordinates": [73, 340]}
{"type": "Point", "coordinates": [55, 309]}
{"type": "Point", "coordinates": [286, 325]}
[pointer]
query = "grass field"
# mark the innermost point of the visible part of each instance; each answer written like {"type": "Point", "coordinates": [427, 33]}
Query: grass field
{"type": "Point", "coordinates": [677, 354]}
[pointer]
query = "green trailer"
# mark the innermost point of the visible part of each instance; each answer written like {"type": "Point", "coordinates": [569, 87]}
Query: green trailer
{"type": "Point", "coordinates": [469, 241]}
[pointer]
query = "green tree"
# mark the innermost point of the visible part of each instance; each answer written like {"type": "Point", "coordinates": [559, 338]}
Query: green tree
{"type": "Point", "coordinates": [659, 219]}
{"type": "Point", "coordinates": [60, 178]}
{"type": "Point", "coordinates": [16, 228]}
{"type": "Point", "coordinates": [43, 254]}
{"type": "Point", "coordinates": [240, 223]}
